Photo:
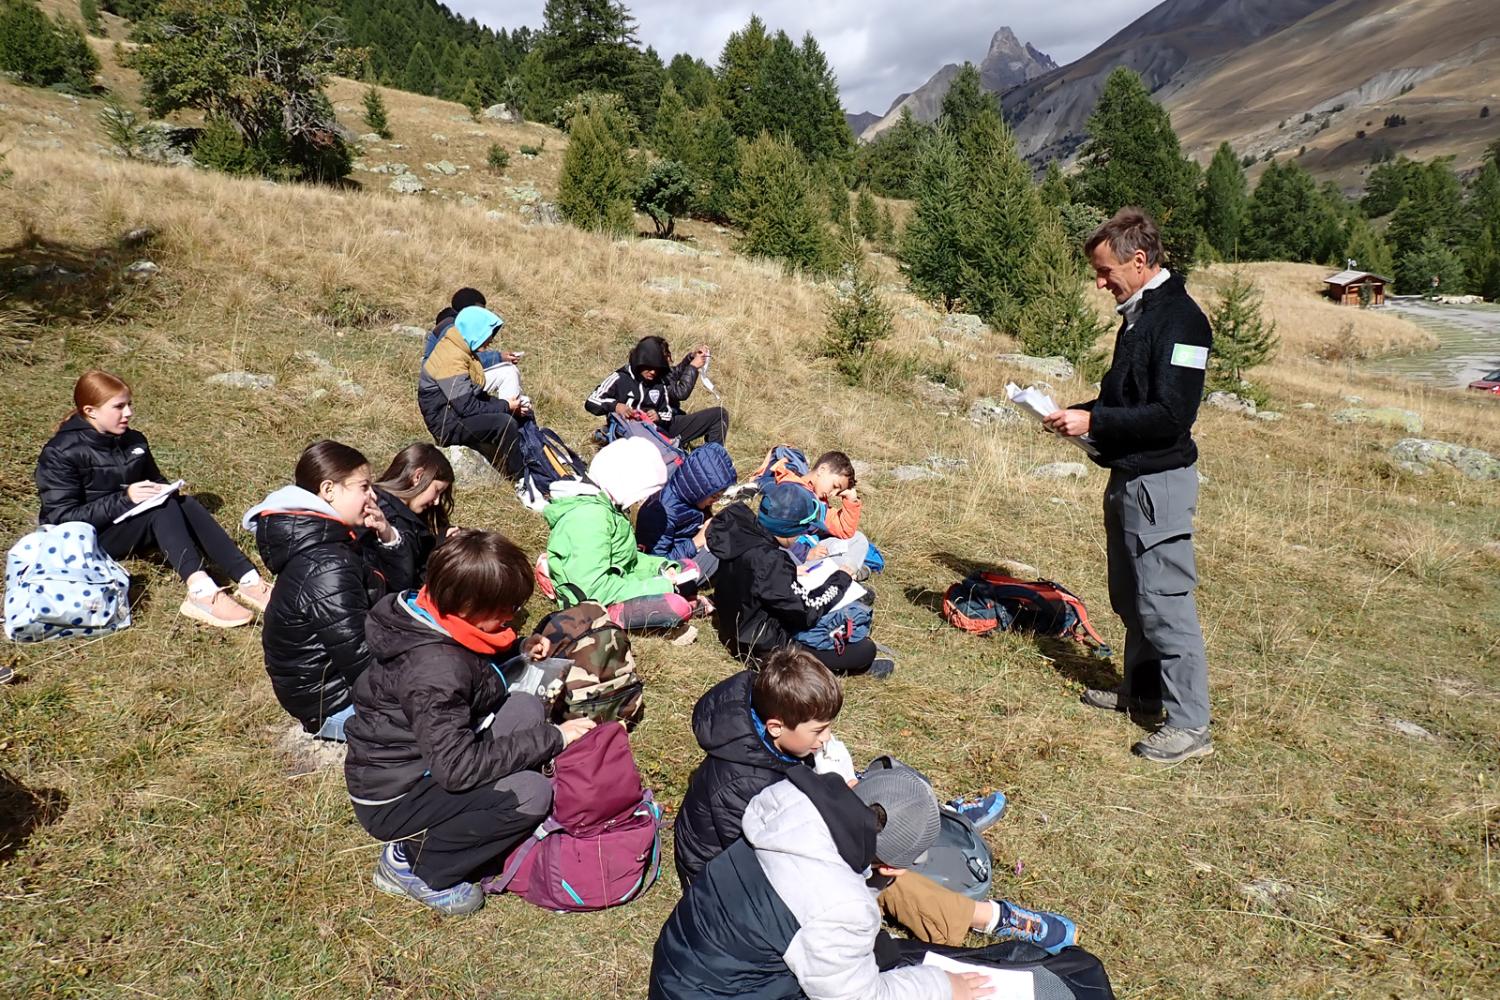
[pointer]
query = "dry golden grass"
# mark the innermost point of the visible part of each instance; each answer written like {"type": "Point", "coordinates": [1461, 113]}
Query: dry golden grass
{"type": "Point", "coordinates": [173, 854]}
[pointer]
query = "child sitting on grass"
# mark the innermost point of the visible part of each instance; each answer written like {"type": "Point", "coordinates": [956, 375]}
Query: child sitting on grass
{"type": "Point", "coordinates": [830, 477]}
{"type": "Point", "coordinates": [763, 602]}
{"type": "Point", "coordinates": [591, 547]}
{"type": "Point", "coordinates": [443, 764]}
{"type": "Point", "coordinates": [673, 524]}
{"type": "Point", "coordinates": [756, 728]}
{"type": "Point", "coordinates": [416, 495]}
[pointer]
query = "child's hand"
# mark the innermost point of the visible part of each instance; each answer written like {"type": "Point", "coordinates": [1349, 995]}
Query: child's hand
{"type": "Point", "coordinates": [700, 540]}
{"type": "Point", "coordinates": [143, 490]}
{"type": "Point", "coordinates": [970, 986]}
{"type": "Point", "coordinates": [537, 647]}
{"type": "Point", "coordinates": [573, 729]}
{"type": "Point", "coordinates": [453, 531]}
{"type": "Point", "coordinates": [817, 552]}
{"type": "Point", "coordinates": [511, 357]}
{"type": "Point", "coordinates": [851, 495]}
{"type": "Point", "coordinates": [376, 522]}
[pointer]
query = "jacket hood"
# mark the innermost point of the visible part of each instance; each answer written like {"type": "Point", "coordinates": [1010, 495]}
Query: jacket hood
{"type": "Point", "coordinates": [77, 424]}
{"type": "Point", "coordinates": [735, 531]}
{"type": "Point", "coordinates": [629, 470]}
{"type": "Point", "coordinates": [813, 816]}
{"type": "Point", "coordinates": [568, 495]}
{"type": "Point", "coordinates": [392, 629]}
{"type": "Point", "coordinates": [648, 354]}
{"type": "Point", "coordinates": [706, 471]}
{"type": "Point", "coordinates": [477, 325]}
{"type": "Point", "coordinates": [288, 499]}
{"type": "Point", "coordinates": [725, 728]}
{"type": "Point", "coordinates": [292, 520]}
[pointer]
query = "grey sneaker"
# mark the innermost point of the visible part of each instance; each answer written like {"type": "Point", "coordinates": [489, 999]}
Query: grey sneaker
{"type": "Point", "coordinates": [882, 668]}
{"type": "Point", "coordinates": [394, 875]}
{"type": "Point", "coordinates": [1169, 745]}
{"type": "Point", "coordinates": [1111, 700]}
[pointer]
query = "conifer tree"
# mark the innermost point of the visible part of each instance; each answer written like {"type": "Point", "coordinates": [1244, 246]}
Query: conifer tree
{"type": "Point", "coordinates": [1225, 202]}
{"type": "Point", "coordinates": [1387, 186]}
{"type": "Point", "coordinates": [1366, 248]}
{"type": "Point", "coordinates": [672, 132]}
{"type": "Point", "coordinates": [964, 104]}
{"type": "Point", "coordinates": [887, 236]}
{"type": "Point", "coordinates": [1482, 255]}
{"type": "Point", "coordinates": [1288, 218]}
{"type": "Point", "coordinates": [43, 52]}
{"type": "Point", "coordinates": [867, 216]}
{"type": "Point", "coordinates": [470, 98]}
{"type": "Point", "coordinates": [420, 75]}
{"type": "Point", "coordinates": [1427, 219]}
{"type": "Point", "coordinates": [1058, 319]}
{"type": "Point", "coordinates": [999, 224]}
{"type": "Point", "coordinates": [740, 78]}
{"type": "Point", "coordinates": [835, 195]}
{"type": "Point", "coordinates": [888, 164]}
{"type": "Point", "coordinates": [1133, 157]}
{"type": "Point", "coordinates": [857, 318]}
{"type": "Point", "coordinates": [376, 119]}
{"type": "Point", "coordinates": [597, 182]}
{"type": "Point", "coordinates": [589, 46]}
{"type": "Point", "coordinates": [1053, 191]}
{"type": "Point", "coordinates": [1243, 338]}
{"type": "Point", "coordinates": [930, 245]}
{"type": "Point", "coordinates": [775, 207]}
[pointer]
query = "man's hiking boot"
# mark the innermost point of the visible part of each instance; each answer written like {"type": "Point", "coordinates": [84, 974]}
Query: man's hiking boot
{"type": "Point", "coordinates": [984, 812]}
{"type": "Point", "coordinates": [1111, 700]}
{"type": "Point", "coordinates": [882, 668]}
{"type": "Point", "coordinates": [219, 610]}
{"type": "Point", "coordinates": [1051, 932]}
{"type": "Point", "coordinates": [393, 874]}
{"type": "Point", "coordinates": [1169, 744]}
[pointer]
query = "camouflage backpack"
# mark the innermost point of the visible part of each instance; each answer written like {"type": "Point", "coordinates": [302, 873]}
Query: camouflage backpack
{"type": "Point", "coordinates": [595, 676]}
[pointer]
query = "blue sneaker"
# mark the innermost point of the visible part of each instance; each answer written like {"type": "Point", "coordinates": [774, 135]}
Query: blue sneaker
{"type": "Point", "coordinates": [984, 812]}
{"type": "Point", "coordinates": [1051, 932]}
{"type": "Point", "coordinates": [393, 874]}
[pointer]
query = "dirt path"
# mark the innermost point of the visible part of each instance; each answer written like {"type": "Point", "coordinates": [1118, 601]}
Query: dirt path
{"type": "Point", "coordinates": [1470, 343]}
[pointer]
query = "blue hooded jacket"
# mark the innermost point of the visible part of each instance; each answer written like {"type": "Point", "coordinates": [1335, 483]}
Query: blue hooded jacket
{"type": "Point", "coordinates": [668, 521]}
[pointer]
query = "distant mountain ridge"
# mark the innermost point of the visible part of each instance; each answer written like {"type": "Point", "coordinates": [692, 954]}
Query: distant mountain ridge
{"type": "Point", "coordinates": [1007, 63]}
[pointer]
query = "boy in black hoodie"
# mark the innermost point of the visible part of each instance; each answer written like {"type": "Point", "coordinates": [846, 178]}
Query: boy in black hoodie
{"type": "Point", "coordinates": [758, 728]}
{"type": "Point", "coordinates": [443, 764]}
{"type": "Point", "coordinates": [651, 388]}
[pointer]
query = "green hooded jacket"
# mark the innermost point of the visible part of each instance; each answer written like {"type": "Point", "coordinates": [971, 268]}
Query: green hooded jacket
{"type": "Point", "coordinates": [591, 546]}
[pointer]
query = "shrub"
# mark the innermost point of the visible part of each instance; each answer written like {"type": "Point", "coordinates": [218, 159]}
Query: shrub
{"type": "Point", "coordinates": [1395, 121]}
{"type": "Point", "coordinates": [857, 319]}
{"type": "Point", "coordinates": [44, 53]}
{"type": "Point", "coordinates": [664, 192]}
{"type": "Point", "coordinates": [121, 127]}
{"type": "Point", "coordinates": [532, 151]}
{"type": "Point", "coordinates": [1484, 112]}
{"type": "Point", "coordinates": [88, 10]}
{"type": "Point", "coordinates": [375, 115]}
{"type": "Point", "coordinates": [257, 67]}
{"type": "Point", "coordinates": [775, 206]}
{"type": "Point", "coordinates": [1058, 319]}
{"type": "Point", "coordinates": [497, 159]}
{"type": "Point", "coordinates": [867, 216]}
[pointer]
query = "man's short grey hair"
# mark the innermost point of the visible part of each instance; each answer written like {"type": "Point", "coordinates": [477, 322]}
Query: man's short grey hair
{"type": "Point", "coordinates": [1128, 231]}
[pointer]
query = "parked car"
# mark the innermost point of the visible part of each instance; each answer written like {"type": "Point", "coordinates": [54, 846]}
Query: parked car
{"type": "Point", "coordinates": [1490, 383]}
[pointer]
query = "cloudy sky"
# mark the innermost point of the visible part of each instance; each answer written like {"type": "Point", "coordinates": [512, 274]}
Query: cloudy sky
{"type": "Point", "coordinates": [878, 48]}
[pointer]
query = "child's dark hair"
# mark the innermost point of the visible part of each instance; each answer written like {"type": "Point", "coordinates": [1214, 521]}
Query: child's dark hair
{"type": "Point", "coordinates": [838, 463]}
{"type": "Point", "coordinates": [402, 481]}
{"type": "Point", "coordinates": [795, 687]}
{"type": "Point", "coordinates": [478, 574]}
{"type": "Point", "coordinates": [326, 462]}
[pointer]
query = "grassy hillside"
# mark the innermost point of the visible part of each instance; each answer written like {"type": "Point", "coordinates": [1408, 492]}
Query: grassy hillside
{"type": "Point", "coordinates": [158, 840]}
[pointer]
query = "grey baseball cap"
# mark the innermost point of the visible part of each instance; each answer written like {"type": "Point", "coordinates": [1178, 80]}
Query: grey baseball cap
{"type": "Point", "coordinates": [911, 815]}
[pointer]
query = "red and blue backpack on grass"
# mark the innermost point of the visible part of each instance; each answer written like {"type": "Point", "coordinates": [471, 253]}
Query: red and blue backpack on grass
{"type": "Point", "coordinates": [986, 601]}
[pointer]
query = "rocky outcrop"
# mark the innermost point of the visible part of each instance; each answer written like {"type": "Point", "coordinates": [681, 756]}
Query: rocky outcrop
{"type": "Point", "coordinates": [1421, 453]}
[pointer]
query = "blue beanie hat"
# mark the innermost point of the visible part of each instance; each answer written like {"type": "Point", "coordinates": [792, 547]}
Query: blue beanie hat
{"type": "Point", "coordinates": [477, 325]}
{"type": "Point", "coordinates": [787, 509]}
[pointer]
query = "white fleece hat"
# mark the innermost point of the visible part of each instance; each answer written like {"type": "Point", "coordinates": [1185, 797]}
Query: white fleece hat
{"type": "Point", "coordinates": [629, 470]}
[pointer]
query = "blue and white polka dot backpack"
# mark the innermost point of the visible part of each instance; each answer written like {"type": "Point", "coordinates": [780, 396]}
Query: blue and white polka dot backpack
{"type": "Point", "coordinates": [59, 584]}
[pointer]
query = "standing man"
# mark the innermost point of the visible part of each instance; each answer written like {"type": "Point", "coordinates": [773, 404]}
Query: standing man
{"type": "Point", "coordinates": [1141, 425]}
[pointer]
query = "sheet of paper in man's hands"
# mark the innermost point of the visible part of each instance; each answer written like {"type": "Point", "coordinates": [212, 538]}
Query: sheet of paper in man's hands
{"type": "Point", "coordinates": [1008, 984]}
{"type": "Point", "coordinates": [1040, 406]}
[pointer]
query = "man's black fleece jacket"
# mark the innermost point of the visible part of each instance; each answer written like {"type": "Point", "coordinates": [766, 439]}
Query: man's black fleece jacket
{"type": "Point", "coordinates": [1142, 421]}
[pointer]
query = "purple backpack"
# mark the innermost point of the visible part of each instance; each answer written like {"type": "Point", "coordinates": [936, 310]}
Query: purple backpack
{"type": "Point", "coordinates": [601, 846]}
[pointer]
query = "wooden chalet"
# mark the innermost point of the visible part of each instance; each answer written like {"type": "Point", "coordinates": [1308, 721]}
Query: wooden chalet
{"type": "Point", "coordinates": [1344, 287]}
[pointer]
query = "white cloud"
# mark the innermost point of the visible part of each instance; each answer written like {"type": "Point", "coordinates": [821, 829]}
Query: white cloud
{"type": "Point", "coordinates": [878, 48]}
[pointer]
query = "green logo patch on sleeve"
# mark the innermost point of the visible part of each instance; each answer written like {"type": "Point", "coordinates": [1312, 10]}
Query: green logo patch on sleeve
{"type": "Point", "coordinates": [1188, 356]}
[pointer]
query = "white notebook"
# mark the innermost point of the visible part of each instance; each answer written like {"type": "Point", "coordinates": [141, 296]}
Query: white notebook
{"type": "Point", "coordinates": [152, 502]}
{"type": "Point", "coordinates": [1008, 984]}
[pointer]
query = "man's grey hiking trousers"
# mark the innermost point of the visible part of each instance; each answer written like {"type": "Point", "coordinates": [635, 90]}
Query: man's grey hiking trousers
{"type": "Point", "coordinates": [1148, 526]}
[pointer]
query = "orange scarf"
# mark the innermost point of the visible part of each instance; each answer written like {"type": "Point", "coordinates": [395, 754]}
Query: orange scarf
{"type": "Point", "coordinates": [465, 634]}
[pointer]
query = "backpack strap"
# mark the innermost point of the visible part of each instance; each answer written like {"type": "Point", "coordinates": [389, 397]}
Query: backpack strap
{"type": "Point", "coordinates": [1072, 600]}
{"type": "Point", "coordinates": [501, 882]}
